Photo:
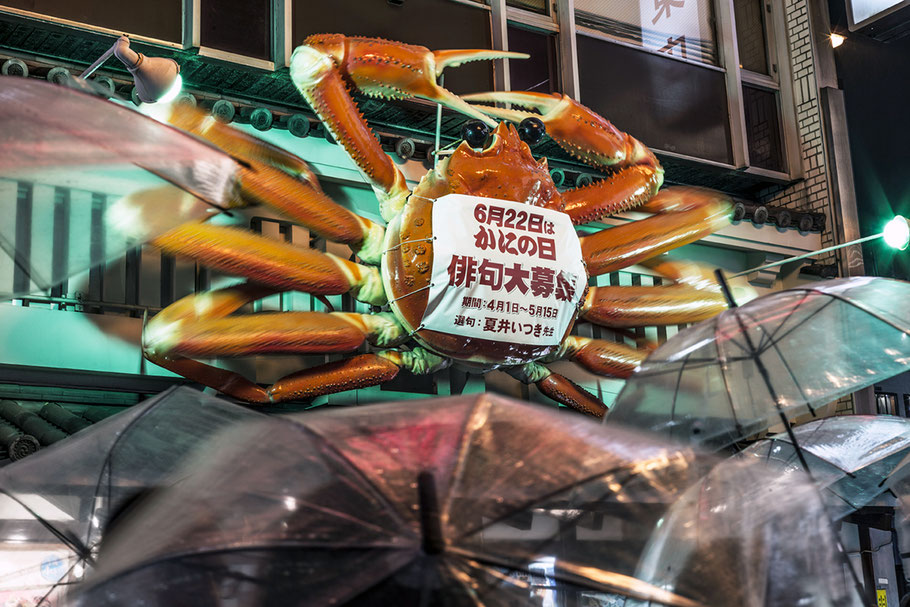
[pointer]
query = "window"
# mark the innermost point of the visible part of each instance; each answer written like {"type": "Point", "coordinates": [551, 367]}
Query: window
{"type": "Point", "coordinates": [761, 86]}
{"type": "Point", "coordinates": [535, 6]}
{"type": "Point", "coordinates": [763, 131]}
{"type": "Point", "coordinates": [218, 20]}
{"type": "Point", "coordinates": [751, 37]}
{"type": "Point", "coordinates": [539, 73]}
{"type": "Point", "coordinates": [886, 403]}
{"type": "Point", "coordinates": [680, 28]}
{"type": "Point", "coordinates": [669, 105]}
{"type": "Point", "coordinates": [161, 19]}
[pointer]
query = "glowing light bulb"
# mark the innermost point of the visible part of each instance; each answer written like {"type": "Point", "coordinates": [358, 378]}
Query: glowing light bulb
{"type": "Point", "coordinates": [897, 233]}
{"type": "Point", "coordinates": [837, 40]}
{"type": "Point", "coordinates": [172, 92]}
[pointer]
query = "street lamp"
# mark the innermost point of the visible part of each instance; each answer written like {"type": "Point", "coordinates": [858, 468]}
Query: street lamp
{"type": "Point", "coordinates": [156, 78]}
{"type": "Point", "coordinates": [896, 235]}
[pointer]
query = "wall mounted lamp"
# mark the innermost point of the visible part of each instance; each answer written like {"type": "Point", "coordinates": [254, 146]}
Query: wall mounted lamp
{"type": "Point", "coordinates": [896, 235]}
{"type": "Point", "coordinates": [156, 78]}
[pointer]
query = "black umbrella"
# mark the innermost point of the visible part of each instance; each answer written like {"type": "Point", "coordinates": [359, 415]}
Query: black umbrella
{"type": "Point", "coordinates": [474, 500]}
{"type": "Point", "coordinates": [57, 503]}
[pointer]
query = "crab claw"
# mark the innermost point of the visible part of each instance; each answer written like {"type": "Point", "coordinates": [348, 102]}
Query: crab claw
{"type": "Point", "coordinates": [383, 68]}
{"type": "Point", "coordinates": [581, 132]}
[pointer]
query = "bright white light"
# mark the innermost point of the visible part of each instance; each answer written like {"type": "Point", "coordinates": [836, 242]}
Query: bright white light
{"type": "Point", "coordinates": [897, 233]}
{"type": "Point", "coordinates": [837, 40]}
{"type": "Point", "coordinates": [78, 570]}
{"type": "Point", "coordinates": [290, 503]}
{"type": "Point", "coordinates": [172, 92]}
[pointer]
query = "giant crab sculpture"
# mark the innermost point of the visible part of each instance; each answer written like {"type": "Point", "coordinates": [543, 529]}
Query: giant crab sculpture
{"type": "Point", "coordinates": [396, 261]}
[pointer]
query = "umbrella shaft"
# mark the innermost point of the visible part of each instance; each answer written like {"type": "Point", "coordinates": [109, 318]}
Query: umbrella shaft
{"type": "Point", "coordinates": [430, 526]}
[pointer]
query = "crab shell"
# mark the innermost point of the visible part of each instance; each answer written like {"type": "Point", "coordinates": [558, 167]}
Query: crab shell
{"type": "Point", "coordinates": [505, 170]}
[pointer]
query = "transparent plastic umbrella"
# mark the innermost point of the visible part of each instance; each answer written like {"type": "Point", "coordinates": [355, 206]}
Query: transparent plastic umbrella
{"type": "Point", "coordinates": [849, 456]}
{"type": "Point", "coordinates": [473, 500]}
{"type": "Point", "coordinates": [67, 158]}
{"type": "Point", "coordinates": [779, 355]}
{"type": "Point", "coordinates": [773, 527]}
{"type": "Point", "coordinates": [57, 503]}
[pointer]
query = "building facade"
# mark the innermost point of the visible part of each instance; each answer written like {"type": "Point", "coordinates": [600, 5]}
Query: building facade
{"type": "Point", "coordinates": [726, 92]}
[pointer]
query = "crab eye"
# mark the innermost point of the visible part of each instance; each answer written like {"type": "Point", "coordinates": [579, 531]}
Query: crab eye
{"type": "Point", "coordinates": [531, 130]}
{"type": "Point", "coordinates": [475, 133]}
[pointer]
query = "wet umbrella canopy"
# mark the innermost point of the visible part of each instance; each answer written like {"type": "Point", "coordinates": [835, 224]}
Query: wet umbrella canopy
{"type": "Point", "coordinates": [849, 456]}
{"type": "Point", "coordinates": [474, 500]}
{"type": "Point", "coordinates": [58, 137]}
{"type": "Point", "coordinates": [59, 501]}
{"type": "Point", "coordinates": [773, 526]}
{"type": "Point", "coordinates": [781, 354]}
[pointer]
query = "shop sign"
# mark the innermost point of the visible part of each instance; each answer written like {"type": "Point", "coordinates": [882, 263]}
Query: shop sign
{"type": "Point", "coordinates": [503, 271]}
{"type": "Point", "coordinates": [671, 26]}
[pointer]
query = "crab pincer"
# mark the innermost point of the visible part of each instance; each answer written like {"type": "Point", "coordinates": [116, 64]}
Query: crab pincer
{"type": "Point", "coordinates": [634, 174]}
{"type": "Point", "coordinates": [326, 65]}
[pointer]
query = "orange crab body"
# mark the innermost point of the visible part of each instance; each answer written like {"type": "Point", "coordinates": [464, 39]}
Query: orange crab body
{"type": "Point", "coordinates": [505, 170]}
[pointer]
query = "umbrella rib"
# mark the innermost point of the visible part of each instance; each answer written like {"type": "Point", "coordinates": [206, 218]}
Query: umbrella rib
{"type": "Point", "coordinates": [806, 319]}
{"type": "Point", "coordinates": [764, 374]}
{"type": "Point", "coordinates": [790, 314]}
{"type": "Point", "coordinates": [871, 313]}
{"type": "Point", "coordinates": [173, 556]}
{"type": "Point", "coordinates": [682, 367]}
{"type": "Point", "coordinates": [696, 363]}
{"type": "Point", "coordinates": [107, 459]}
{"type": "Point", "coordinates": [357, 473]}
{"type": "Point", "coordinates": [58, 584]}
{"type": "Point", "coordinates": [460, 457]}
{"type": "Point", "coordinates": [786, 364]}
{"type": "Point", "coordinates": [567, 576]}
{"type": "Point", "coordinates": [74, 544]}
{"type": "Point", "coordinates": [723, 374]}
{"type": "Point", "coordinates": [539, 499]}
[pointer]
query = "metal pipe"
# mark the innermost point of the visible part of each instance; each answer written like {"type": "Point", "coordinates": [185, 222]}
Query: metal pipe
{"type": "Point", "coordinates": [86, 302]}
{"type": "Point", "coordinates": [93, 67]}
{"type": "Point", "coordinates": [805, 255]}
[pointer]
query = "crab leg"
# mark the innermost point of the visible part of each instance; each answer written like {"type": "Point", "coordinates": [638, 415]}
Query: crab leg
{"type": "Point", "coordinates": [624, 307]}
{"type": "Point", "coordinates": [682, 215]}
{"type": "Point", "coordinates": [560, 388]}
{"type": "Point", "coordinates": [358, 372]}
{"type": "Point", "coordinates": [273, 263]}
{"type": "Point", "coordinates": [635, 176]}
{"type": "Point", "coordinates": [600, 356]}
{"type": "Point", "coordinates": [324, 66]}
{"type": "Point", "coordinates": [276, 178]}
{"type": "Point", "coordinates": [199, 326]}
{"type": "Point", "coordinates": [694, 296]}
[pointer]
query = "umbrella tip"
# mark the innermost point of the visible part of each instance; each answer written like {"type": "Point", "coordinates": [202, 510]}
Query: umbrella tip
{"type": "Point", "coordinates": [430, 525]}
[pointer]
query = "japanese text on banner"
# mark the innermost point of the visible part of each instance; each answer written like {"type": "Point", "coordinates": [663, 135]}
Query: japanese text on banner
{"type": "Point", "coordinates": [503, 271]}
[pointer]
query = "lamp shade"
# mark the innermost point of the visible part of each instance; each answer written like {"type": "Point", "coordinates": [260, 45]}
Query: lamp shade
{"type": "Point", "coordinates": [154, 76]}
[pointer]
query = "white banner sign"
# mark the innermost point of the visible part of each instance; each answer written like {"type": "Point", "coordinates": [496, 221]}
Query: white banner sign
{"type": "Point", "coordinates": [503, 271]}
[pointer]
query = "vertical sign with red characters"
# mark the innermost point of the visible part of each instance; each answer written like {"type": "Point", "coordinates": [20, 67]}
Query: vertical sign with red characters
{"type": "Point", "coordinates": [503, 271]}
